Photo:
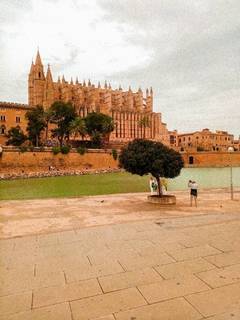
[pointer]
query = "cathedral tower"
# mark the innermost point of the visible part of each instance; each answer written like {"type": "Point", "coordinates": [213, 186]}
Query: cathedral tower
{"type": "Point", "coordinates": [36, 83]}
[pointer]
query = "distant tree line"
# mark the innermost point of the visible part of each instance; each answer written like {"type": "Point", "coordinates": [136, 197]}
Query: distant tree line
{"type": "Point", "coordinates": [63, 123]}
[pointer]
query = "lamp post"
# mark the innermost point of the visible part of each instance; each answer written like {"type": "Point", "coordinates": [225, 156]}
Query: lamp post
{"type": "Point", "coordinates": [230, 150]}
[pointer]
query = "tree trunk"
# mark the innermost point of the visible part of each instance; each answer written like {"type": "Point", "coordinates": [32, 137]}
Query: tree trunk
{"type": "Point", "coordinates": [159, 186]}
{"type": "Point", "coordinates": [46, 136]}
{"type": "Point", "coordinates": [60, 141]}
{"type": "Point", "coordinates": [36, 140]}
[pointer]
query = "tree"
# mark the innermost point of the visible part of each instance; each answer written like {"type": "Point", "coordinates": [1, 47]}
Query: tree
{"type": "Point", "coordinates": [144, 123]}
{"type": "Point", "coordinates": [77, 127]}
{"type": "Point", "coordinates": [144, 156]}
{"type": "Point", "coordinates": [98, 127]}
{"type": "Point", "coordinates": [36, 124]}
{"type": "Point", "coordinates": [62, 114]}
{"type": "Point", "coordinates": [16, 137]}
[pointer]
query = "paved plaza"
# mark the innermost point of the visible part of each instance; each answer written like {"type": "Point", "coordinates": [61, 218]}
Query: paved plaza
{"type": "Point", "coordinates": [119, 257]}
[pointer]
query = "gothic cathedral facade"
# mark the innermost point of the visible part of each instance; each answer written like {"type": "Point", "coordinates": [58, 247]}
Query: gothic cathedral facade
{"type": "Point", "coordinates": [132, 112]}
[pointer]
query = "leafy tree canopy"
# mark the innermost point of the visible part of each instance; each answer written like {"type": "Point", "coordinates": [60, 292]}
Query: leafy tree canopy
{"type": "Point", "coordinates": [36, 124]}
{"type": "Point", "coordinates": [62, 114]}
{"type": "Point", "coordinates": [144, 156]}
{"type": "Point", "coordinates": [98, 126]}
{"type": "Point", "coordinates": [16, 137]}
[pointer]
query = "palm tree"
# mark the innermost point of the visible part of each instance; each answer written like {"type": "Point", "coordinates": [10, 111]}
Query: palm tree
{"type": "Point", "coordinates": [77, 127]}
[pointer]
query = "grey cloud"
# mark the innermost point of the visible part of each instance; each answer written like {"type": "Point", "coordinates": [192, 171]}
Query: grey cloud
{"type": "Point", "coordinates": [196, 47]}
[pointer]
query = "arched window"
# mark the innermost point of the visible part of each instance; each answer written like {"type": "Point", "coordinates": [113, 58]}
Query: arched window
{"type": "Point", "coordinates": [2, 129]}
{"type": "Point", "coordinates": [39, 75]}
{"type": "Point", "coordinates": [191, 160]}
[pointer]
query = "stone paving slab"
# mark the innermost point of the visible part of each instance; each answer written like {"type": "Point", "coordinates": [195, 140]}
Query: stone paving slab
{"type": "Point", "coordinates": [221, 277]}
{"type": "Point", "coordinates": [74, 291]}
{"type": "Point", "coordinates": [129, 279]}
{"type": "Point", "coordinates": [195, 252]}
{"type": "Point", "coordinates": [169, 289]}
{"type": "Point", "coordinates": [15, 303]}
{"type": "Point", "coordinates": [109, 317]}
{"type": "Point", "coordinates": [54, 312]}
{"type": "Point", "coordinates": [176, 309]}
{"type": "Point", "coordinates": [225, 259]}
{"type": "Point", "coordinates": [231, 315]}
{"type": "Point", "coordinates": [144, 262]}
{"type": "Point", "coordinates": [13, 282]}
{"type": "Point", "coordinates": [92, 271]}
{"type": "Point", "coordinates": [216, 301]}
{"type": "Point", "coordinates": [184, 268]}
{"type": "Point", "coordinates": [106, 304]}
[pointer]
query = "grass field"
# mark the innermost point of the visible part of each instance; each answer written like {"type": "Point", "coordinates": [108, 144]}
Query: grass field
{"type": "Point", "coordinates": [72, 186]}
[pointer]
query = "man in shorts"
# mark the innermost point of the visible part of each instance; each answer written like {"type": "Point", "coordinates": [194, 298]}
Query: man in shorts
{"type": "Point", "coordinates": [193, 192]}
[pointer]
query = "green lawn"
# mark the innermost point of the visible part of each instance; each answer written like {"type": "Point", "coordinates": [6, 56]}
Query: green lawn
{"type": "Point", "coordinates": [72, 186]}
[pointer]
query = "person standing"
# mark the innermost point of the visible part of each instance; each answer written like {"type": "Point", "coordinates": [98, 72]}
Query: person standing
{"type": "Point", "coordinates": [193, 192]}
{"type": "Point", "coordinates": [153, 186]}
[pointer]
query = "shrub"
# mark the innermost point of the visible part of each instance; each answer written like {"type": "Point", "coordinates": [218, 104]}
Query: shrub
{"type": "Point", "coordinates": [56, 150]}
{"type": "Point", "coordinates": [81, 150]}
{"type": "Point", "coordinates": [114, 154]}
{"type": "Point", "coordinates": [23, 149]}
{"type": "Point", "coordinates": [65, 149]}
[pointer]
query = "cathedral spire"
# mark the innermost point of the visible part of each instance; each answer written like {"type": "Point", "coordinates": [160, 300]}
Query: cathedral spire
{"type": "Point", "coordinates": [32, 68]}
{"type": "Point", "coordinates": [139, 90]}
{"type": "Point", "coordinates": [109, 86]}
{"type": "Point", "coordinates": [147, 92]}
{"type": "Point", "coordinates": [105, 84]}
{"type": "Point", "coordinates": [120, 87]}
{"type": "Point", "coordinates": [38, 59]}
{"type": "Point", "coordinates": [151, 91]}
{"type": "Point", "coordinates": [89, 83]}
{"type": "Point", "coordinates": [71, 82]}
{"type": "Point", "coordinates": [59, 81]}
{"type": "Point", "coordinates": [49, 74]}
{"type": "Point", "coordinates": [76, 80]}
{"type": "Point", "coordinates": [63, 79]}
{"type": "Point", "coordinates": [99, 85]}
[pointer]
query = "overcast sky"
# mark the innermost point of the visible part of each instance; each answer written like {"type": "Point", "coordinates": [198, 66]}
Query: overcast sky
{"type": "Point", "coordinates": [187, 50]}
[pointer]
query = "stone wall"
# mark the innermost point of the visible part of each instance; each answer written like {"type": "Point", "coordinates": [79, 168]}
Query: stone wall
{"type": "Point", "coordinates": [212, 159]}
{"type": "Point", "coordinates": [14, 161]}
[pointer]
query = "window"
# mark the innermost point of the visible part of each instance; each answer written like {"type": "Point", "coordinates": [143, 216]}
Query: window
{"type": "Point", "coordinates": [3, 118]}
{"type": "Point", "coordinates": [2, 130]}
{"type": "Point", "coordinates": [39, 75]}
{"type": "Point", "coordinates": [191, 160]}
{"type": "Point", "coordinates": [18, 119]}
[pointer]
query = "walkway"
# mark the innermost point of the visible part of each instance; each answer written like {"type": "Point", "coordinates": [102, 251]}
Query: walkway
{"type": "Point", "coordinates": [173, 264]}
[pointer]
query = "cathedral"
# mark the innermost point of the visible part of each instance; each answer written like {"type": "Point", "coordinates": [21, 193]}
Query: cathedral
{"type": "Point", "coordinates": [132, 112]}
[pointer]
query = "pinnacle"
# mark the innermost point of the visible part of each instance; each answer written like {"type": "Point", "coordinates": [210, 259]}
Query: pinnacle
{"type": "Point", "coordinates": [38, 59]}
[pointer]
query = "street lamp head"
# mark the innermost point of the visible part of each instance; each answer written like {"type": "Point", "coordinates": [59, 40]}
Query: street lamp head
{"type": "Point", "coordinates": [230, 149]}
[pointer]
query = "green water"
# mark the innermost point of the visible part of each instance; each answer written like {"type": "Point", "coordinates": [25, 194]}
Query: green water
{"type": "Point", "coordinates": [87, 185]}
{"type": "Point", "coordinates": [206, 178]}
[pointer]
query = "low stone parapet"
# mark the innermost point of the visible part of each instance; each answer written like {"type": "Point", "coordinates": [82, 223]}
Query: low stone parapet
{"type": "Point", "coordinates": [163, 200]}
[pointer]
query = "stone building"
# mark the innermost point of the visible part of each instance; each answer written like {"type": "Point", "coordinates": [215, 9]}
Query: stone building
{"type": "Point", "coordinates": [205, 140]}
{"type": "Point", "coordinates": [132, 112]}
{"type": "Point", "coordinates": [12, 115]}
